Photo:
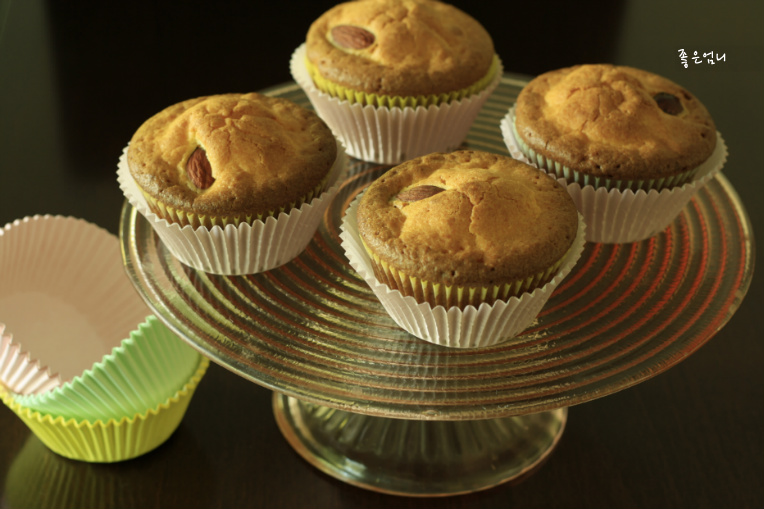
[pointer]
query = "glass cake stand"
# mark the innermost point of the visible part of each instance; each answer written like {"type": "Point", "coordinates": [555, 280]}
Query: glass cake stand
{"type": "Point", "coordinates": [367, 403]}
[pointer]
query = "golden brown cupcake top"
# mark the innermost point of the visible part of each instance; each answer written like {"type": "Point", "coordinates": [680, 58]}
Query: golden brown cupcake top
{"type": "Point", "coordinates": [399, 47]}
{"type": "Point", "coordinates": [615, 121]}
{"type": "Point", "coordinates": [258, 154]}
{"type": "Point", "coordinates": [467, 218]}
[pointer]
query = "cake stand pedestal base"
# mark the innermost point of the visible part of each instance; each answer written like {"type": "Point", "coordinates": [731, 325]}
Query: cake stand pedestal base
{"type": "Point", "coordinates": [418, 457]}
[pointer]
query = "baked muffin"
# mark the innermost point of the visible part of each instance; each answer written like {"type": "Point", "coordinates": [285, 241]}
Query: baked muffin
{"type": "Point", "coordinates": [234, 183]}
{"type": "Point", "coordinates": [399, 52]}
{"type": "Point", "coordinates": [466, 228]}
{"type": "Point", "coordinates": [614, 126]}
{"type": "Point", "coordinates": [616, 131]}
{"type": "Point", "coordinates": [230, 158]}
{"type": "Point", "coordinates": [389, 55]}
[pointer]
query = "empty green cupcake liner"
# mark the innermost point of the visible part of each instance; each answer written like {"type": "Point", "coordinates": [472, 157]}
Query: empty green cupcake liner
{"type": "Point", "coordinates": [143, 371]}
{"type": "Point", "coordinates": [115, 440]}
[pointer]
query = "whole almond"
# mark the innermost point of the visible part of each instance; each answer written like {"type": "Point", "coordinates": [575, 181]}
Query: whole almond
{"type": "Point", "coordinates": [352, 37]}
{"type": "Point", "coordinates": [669, 103]}
{"type": "Point", "coordinates": [419, 193]}
{"type": "Point", "coordinates": [199, 170]}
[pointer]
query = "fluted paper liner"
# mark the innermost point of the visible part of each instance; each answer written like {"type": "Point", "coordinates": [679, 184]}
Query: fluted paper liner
{"type": "Point", "coordinates": [115, 440]}
{"type": "Point", "coordinates": [470, 327]}
{"type": "Point", "coordinates": [243, 249]}
{"type": "Point", "coordinates": [20, 373]}
{"type": "Point", "coordinates": [143, 371]}
{"type": "Point", "coordinates": [392, 135]}
{"type": "Point", "coordinates": [614, 216]}
{"type": "Point", "coordinates": [64, 294]}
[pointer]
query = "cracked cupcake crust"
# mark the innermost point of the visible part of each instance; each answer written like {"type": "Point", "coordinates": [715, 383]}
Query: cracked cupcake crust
{"type": "Point", "coordinates": [467, 218]}
{"type": "Point", "coordinates": [615, 122]}
{"type": "Point", "coordinates": [419, 47]}
{"type": "Point", "coordinates": [264, 153]}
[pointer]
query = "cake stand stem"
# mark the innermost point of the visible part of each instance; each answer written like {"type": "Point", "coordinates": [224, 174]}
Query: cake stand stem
{"type": "Point", "coordinates": [418, 457]}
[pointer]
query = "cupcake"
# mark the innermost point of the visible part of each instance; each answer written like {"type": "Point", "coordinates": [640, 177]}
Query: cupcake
{"type": "Point", "coordinates": [233, 183]}
{"type": "Point", "coordinates": [396, 79]}
{"type": "Point", "coordinates": [476, 236]}
{"type": "Point", "coordinates": [620, 138]}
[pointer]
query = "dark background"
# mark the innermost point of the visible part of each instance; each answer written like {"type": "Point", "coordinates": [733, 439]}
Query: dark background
{"type": "Point", "coordinates": [76, 80]}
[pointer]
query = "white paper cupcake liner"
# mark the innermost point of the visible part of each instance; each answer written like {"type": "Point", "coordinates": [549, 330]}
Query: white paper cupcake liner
{"type": "Point", "coordinates": [243, 249]}
{"type": "Point", "coordinates": [471, 327]}
{"type": "Point", "coordinates": [19, 373]}
{"type": "Point", "coordinates": [143, 371]}
{"type": "Point", "coordinates": [64, 294]}
{"type": "Point", "coordinates": [616, 217]}
{"type": "Point", "coordinates": [392, 135]}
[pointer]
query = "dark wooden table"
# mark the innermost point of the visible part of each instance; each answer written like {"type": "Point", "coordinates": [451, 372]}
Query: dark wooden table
{"type": "Point", "coordinates": [77, 78]}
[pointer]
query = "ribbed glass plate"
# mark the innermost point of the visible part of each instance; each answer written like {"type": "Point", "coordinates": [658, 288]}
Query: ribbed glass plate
{"type": "Point", "coordinates": [313, 330]}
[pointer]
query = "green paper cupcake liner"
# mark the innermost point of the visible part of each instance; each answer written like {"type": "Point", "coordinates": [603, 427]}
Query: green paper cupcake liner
{"type": "Point", "coordinates": [143, 371]}
{"type": "Point", "coordinates": [438, 294]}
{"type": "Point", "coordinates": [185, 218]}
{"type": "Point", "coordinates": [388, 101]}
{"type": "Point", "coordinates": [572, 176]}
{"type": "Point", "coordinates": [115, 440]}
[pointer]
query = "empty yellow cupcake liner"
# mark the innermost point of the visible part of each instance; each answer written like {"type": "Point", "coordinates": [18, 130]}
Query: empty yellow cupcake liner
{"type": "Point", "coordinates": [389, 101]}
{"type": "Point", "coordinates": [112, 441]}
{"type": "Point", "coordinates": [438, 294]}
{"type": "Point", "coordinates": [572, 176]}
{"type": "Point", "coordinates": [185, 218]}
